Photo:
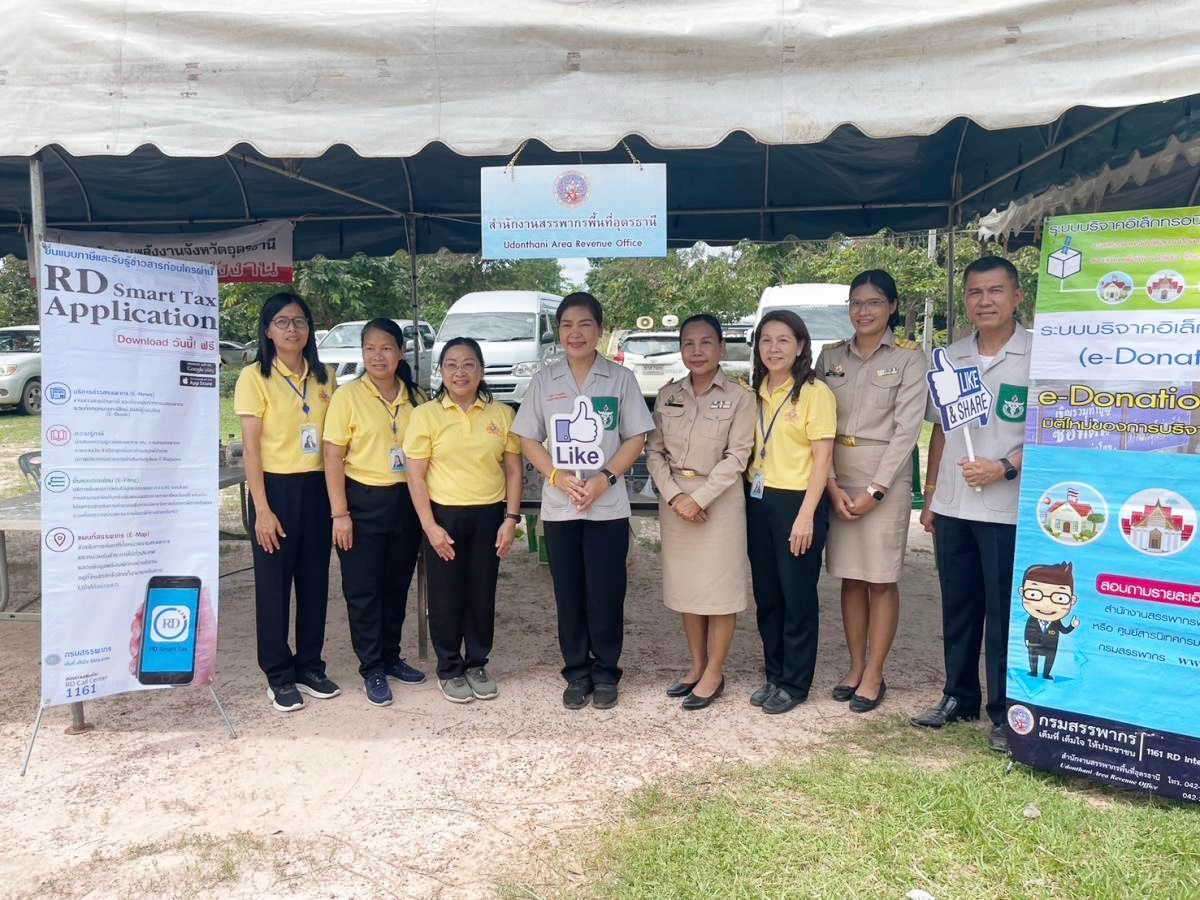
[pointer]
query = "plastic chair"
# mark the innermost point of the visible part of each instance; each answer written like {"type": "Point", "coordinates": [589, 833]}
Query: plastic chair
{"type": "Point", "coordinates": [30, 465]}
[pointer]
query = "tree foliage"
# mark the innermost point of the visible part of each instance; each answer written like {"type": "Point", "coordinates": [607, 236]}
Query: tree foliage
{"type": "Point", "coordinates": [728, 283]}
{"type": "Point", "coordinates": [18, 299]}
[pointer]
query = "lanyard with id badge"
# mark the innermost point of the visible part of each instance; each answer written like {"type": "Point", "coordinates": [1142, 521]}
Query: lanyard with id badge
{"type": "Point", "coordinates": [395, 455]}
{"type": "Point", "coordinates": [759, 482]}
{"type": "Point", "coordinates": [310, 442]}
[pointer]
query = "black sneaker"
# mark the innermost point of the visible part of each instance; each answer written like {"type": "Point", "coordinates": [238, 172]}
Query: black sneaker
{"type": "Point", "coordinates": [403, 672]}
{"type": "Point", "coordinates": [378, 692]}
{"type": "Point", "coordinates": [285, 697]}
{"type": "Point", "coordinates": [316, 684]}
{"type": "Point", "coordinates": [577, 693]}
{"type": "Point", "coordinates": [604, 696]}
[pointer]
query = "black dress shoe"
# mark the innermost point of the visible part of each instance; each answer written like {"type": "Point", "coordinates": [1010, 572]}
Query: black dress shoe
{"type": "Point", "coordinates": [844, 692]}
{"type": "Point", "coordinates": [782, 701]}
{"type": "Point", "coordinates": [695, 701]}
{"type": "Point", "coordinates": [998, 739]}
{"type": "Point", "coordinates": [861, 704]}
{"type": "Point", "coordinates": [577, 693]}
{"type": "Point", "coordinates": [604, 696]}
{"type": "Point", "coordinates": [947, 711]}
{"type": "Point", "coordinates": [681, 688]}
{"type": "Point", "coordinates": [759, 697]}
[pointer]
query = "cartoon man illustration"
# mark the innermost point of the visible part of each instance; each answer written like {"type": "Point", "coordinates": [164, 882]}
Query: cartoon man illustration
{"type": "Point", "coordinates": [1048, 595]}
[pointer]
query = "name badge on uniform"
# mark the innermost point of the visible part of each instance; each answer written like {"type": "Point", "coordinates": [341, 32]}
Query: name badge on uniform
{"type": "Point", "coordinates": [309, 439]}
{"type": "Point", "coordinates": [721, 404]}
{"type": "Point", "coordinates": [757, 485]}
{"type": "Point", "coordinates": [397, 456]}
{"type": "Point", "coordinates": [890, 370]}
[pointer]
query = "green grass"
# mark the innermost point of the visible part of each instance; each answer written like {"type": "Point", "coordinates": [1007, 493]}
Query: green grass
{"type": "Point", "coordinates": [17, 428]}
{"type": "Point", "coordinates": [889, 810]}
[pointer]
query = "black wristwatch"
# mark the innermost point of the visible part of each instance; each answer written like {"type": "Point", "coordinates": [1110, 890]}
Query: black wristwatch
{"type": "Point", "coordinates": [1010, 471]}
{"type": "Point", "coordinates": [876, 493]}
{"type": "Point", "coordinates": [516, 517]}
{"type": "Point", "coordinates": [612, 479]}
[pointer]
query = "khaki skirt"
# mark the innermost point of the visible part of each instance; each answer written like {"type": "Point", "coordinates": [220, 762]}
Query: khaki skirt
{"type": "Point", "coordinates": [871, 548]}
{"type": "Point", "coordinates": [704, 564]}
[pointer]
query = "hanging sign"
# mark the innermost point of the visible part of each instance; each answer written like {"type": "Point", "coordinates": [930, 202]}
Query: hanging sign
{"type": "Point", "coordinates": [1104, 634]}
{"type": "Point", "coordinates": [261, 252]}
{"type": "Point", "coordinates": [548, 212]}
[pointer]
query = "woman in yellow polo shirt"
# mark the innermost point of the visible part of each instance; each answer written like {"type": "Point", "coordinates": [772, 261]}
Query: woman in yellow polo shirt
{"type": "Point", "coordinates": [375, 527]}
{"type": "Point", "coordinates": [464, 472]}
{"type": "Point", "coordinates": [787, 516]}
{"type": "Point", "coordinates": [281, 399]}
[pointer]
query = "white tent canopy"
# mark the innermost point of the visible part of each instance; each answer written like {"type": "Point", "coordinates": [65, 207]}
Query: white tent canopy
{"type": "Point", "coordinates": [387, 77]}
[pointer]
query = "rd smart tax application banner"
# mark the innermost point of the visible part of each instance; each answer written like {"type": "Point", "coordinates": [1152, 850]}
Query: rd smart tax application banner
{"type": "Point", "coordinates": [1104, 635]}
{"type": "Point", "coordinates": [129, 466]}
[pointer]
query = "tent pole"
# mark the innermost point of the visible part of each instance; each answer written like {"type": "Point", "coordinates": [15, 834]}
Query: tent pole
{"type": "Point", "coordinates": [950, 312]}
{"type": "Point", "coordinates": [410, 235]}
{"type": "Point", "coordinates": [37, 206]}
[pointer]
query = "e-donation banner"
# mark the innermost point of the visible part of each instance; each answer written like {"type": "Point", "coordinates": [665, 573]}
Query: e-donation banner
{"type": "Point", "coordinates": [547, 212]}
{"type": "Point", "coordinates": [129, 472]}
{"type": "Point", "coordinates": [261, 252]}
{"type": "Point", "coordinates": [1104, 641]}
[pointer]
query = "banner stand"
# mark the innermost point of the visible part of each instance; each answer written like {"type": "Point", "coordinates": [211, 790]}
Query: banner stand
{"type": "Point", "coordinates": [87, 726]}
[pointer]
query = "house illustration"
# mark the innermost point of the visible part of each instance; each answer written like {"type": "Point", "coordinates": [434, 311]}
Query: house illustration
{"type": "Point", "coordinates": [1116, 290]}
{"type": "Point", "coordinates": [1071, 517]}
{"type": "Point", "coordinates": [1156, 529]}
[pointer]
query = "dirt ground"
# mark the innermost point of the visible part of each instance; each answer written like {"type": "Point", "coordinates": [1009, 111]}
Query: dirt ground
{"type": "Point", "coordinates": [420, 799]}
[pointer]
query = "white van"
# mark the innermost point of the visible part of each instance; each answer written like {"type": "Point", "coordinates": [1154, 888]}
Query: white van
{"type": "Point", "coordinates": [822, 307]}
{"type": "Point", "coordinates": [516, 330]}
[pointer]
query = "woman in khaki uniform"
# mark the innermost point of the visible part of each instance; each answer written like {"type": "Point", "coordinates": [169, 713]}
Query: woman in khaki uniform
{"type": "Point", "coordinates": [704, 432]}
{"type": "Point", "coordinates": [879, 382]}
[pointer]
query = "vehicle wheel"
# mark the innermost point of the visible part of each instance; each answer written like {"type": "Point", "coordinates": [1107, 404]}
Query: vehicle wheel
{"type": "Point", "coordinates": [31, 398]}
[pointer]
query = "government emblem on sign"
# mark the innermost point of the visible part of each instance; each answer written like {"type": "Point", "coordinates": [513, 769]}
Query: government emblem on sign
{"type": "Point", "coordinates": [572, 189]}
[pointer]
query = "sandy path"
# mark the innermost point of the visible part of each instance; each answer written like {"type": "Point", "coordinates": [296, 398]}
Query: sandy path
{"type": "Point", "coordinates": [420, 799]}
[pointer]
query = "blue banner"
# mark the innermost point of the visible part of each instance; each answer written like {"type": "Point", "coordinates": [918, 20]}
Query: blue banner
{"type": "Point", "coordinates": [1104, 636]}
{"type": "Point", "coordinates": [549, 212]}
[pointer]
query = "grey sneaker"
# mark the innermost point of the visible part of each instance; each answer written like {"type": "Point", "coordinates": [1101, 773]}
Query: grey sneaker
{"type": "Point", "coordinates": [456, 689]}
{"type": "Point", "coordinates": [483, 687]}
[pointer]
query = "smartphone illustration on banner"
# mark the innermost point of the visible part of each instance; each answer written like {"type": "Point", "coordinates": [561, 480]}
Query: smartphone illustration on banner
{"type": "Point", "coordinates": [169, 630]}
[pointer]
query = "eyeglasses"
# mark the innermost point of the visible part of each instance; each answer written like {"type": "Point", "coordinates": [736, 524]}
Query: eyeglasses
{"type": "Point", "coordinates": [467, 368]}
{"type": "Point", "coordinates": [868, 305]}
{"type": "Point", "coordinates": [300, 323]}
{"type": "Point", "coordinates": [1033, 595]}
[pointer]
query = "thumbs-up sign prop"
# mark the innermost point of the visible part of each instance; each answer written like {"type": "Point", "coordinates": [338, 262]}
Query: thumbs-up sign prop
{"type": "Point", "coordinates": [959, 394]}
{"type": "Point", "coordinates": [575, 438]}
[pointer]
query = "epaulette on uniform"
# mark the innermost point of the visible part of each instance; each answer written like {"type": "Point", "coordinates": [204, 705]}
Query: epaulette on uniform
{"type": "Point", "coordinates": [906, 344]}
{"type": "Point", "coordinates": [836, 344]}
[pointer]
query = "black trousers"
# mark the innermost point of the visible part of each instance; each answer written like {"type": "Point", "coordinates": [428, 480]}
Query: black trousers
{"type": "Point", "coordinates": [302, 507]}
{"type": "Point", "coordinates": [785, 587]}
{"type": "Point", "coordinates": [587, 564]}
{"type": "Point", "coordinates": [377, 570]}
{"type": "Point", "coordinates": [462, 592]}
{"type": "Point", "coordinates": [975, 561]}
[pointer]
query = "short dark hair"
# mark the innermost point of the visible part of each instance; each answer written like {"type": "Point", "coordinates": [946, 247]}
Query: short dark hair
{"type": "Point", "coordinates": [483, 392]}
{"type": "Point", "coordinates": [1058, 574]}
{"type": "Point", "coordinates": [403, 370]}
{"type": "Point", "coordinates": [582, 299]}
{"type": "Point", "coordinates": [886, 285]}
{"type": "Point", "coordinates": [990, 264]}
{"type": "Point", "coordinates": [707, 319]}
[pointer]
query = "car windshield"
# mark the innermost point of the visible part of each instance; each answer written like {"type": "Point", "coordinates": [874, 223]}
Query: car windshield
{"type": "Point", "coordinates": [20, 342]}
{"type": "Point", "coordinates": [651, 345]}
{"type": "Point", "coordinates": [343, 336]}
{"type": "Point", "coordinates": [494, 326]}
{"type": "Point", "coordinates": [737, 351]}
{"type": "Point", "coordinates": [825, 323]}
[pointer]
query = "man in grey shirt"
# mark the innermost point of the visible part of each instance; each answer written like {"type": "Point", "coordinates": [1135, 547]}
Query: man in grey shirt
{"type": "Point", "coordinates": [971, 507]}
